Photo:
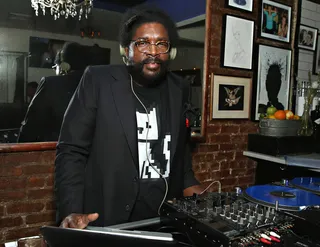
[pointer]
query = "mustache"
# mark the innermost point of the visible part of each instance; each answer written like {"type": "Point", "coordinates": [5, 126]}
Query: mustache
{"type": "Point", "coordinates": [152, 60]}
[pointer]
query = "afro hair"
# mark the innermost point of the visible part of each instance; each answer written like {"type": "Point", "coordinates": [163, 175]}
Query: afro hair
{"type": "Point", "coordinates": [141, 14]}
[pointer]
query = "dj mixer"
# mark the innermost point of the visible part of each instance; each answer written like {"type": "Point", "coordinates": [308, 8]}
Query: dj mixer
{"type": "Point", "coordinates": [265, 215]}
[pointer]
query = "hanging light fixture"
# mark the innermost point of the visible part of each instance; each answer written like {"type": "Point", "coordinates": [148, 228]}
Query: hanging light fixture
{"type": "Point", "coordinates": [64, 8]}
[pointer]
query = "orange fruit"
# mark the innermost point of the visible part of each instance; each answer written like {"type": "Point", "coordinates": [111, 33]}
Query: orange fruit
{"type": "Point", "coordinates": [280, 115]}
{"type": "Point", "coordinates": [296, 117]}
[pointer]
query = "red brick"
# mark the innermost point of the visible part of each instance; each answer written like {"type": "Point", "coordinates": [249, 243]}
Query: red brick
{"type": "Point", "coordinates": [214, 129]}
{"type": "Point", "coordinates": [51, 205]}
{"type": "Point", "coordinates": [201, 177]}
{"type": "Point", "coordinates": [37, 169]}
{"type": "Point", "coordinates": [10, 222]}
{"type": "Point", "coordinates": [227, 147]}
{"type": "Point", "coordinates": [229, 181]}
{"type": "Point", "coordinates": [40, 193]}
{"type": "Point", "coordinates": [213, 166]}
{"type": "Point", "coordinates": [247, 180]}
{"type": "Point", "coordinates": [24, 207]}
{"type": "Point", "coordinates": [12, 183]}
{"type": "Point", "coordinates": [248, 128]}
{"type": "Point", "coordinates": [236, 164]}
{"type": "Point", "coordinates": [36, 181]}
{"type": "Point", "coordinates": [205, 148]}
{"type": "Point", "coordinates": [48, 157]}
{"type": "Point", "coordinates": [224, 156]}
{"type": "Point", "coordinates": [233, 129]}
{"type": "Point", "coordinates": [17, 233]}
{"type": "Point", "coordinates": [219, 139]}
{"type": "Point", "coordinates": [50, 180]}
{"type": "Point", "coordinates": [17, 158]}
{"type": "Point", "coordinates": [9, 170]}
{"type": "Point", "coordinates": [39, 218]}
{"type": "Point", "coordinates": [240, 172]}
{"type": "Point", "coordinates": [238, 138]}
{"type": "Point", "coordinates": [12, 195]}
{"type": "Point", "coordinates": [1, 211]}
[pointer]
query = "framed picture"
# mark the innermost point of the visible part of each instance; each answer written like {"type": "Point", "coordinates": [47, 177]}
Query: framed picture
{"type": "Point", "coordinates": [241, 4]}
{"type": "Point", "coordinates": [307, 37]}
{"type": "Point", "coordinates": [238, 43]}
{"type": "Point", "coordinates": [316, 59]}
{"type": "Point", "coordinates": [275, 21]}
{"type": "Point", "coordinates": [273, 79]}
{"type": "Point", "coordinates": [230, 97]}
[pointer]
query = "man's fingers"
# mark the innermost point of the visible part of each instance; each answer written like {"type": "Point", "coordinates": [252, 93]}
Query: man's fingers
{"type": "Point", "coordinates": [92, 217]}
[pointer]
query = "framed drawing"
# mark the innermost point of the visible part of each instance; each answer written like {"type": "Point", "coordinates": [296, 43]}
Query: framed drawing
{"type": "Point", "coordinates": [273, 79]}
{"type": "Point", "coordinates": [275, 21]}
{"type": "Point", "coordinates": [238, 43]}
{"type": "Point", "coordinates": [307, 37]}
{"type": "Point", "coordinates": [316, 59]}
{"type": "Point", "coordinates": [230, 97]}
{"type": "Point", "coordinates": [241, 4]}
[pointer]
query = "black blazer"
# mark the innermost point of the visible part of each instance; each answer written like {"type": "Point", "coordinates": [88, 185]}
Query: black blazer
{"type": "Point", "coordinates": [45, 113]}
{"type": "Point", "coordinates": [97, 154]}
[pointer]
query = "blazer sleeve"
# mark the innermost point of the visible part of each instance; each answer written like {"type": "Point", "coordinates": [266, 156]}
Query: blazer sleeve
{"type": "Point", "coordinates": [34, 124]}
{"type": "Point", "coordinates": [74, 146]}
{"type": "Point", "coordinates": [189, 179]}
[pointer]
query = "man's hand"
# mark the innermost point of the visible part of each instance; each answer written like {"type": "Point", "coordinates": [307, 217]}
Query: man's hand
{"type": "Point", "coordinates": [79, 221]}
{"type": "Point", "coordinates": [196, 189]}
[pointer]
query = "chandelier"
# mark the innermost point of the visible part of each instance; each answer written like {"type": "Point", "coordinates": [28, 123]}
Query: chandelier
{"type": "Point", "coordinates": [64, 8]}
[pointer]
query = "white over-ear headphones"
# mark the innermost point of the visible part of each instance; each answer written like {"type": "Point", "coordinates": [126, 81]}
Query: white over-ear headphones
{"type": "Point", "coordinates": [172, 53]}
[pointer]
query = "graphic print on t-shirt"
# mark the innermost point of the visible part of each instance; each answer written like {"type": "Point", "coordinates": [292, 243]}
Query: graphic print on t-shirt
{"type": "Point", "coordinates": [158, 151]}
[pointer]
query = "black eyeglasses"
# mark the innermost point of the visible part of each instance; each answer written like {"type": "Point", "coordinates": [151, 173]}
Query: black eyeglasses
{"type": "Point", "coordinates": [145, 46]}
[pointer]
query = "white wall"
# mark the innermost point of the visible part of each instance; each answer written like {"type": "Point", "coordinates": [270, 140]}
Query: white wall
{"type": "Point", "coordinates": [18, 40]}
{"type": "Point", "coordinates": [310, 16]}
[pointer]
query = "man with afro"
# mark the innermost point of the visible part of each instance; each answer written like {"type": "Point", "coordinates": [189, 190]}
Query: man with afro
{"type": "Point", "coordinates": [123, 147]}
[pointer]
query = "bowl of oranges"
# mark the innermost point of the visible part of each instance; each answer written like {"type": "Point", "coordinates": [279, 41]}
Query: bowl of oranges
{"type": "Point", "coordinates": [279, 123]}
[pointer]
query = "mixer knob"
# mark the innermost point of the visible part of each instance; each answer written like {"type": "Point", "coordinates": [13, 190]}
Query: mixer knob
{"type": "Point", "coordinates": [235, 218]}
{"type": "Point", "coordinates": [228, 216]}
{"type": "Point", "coordinates": [260, 217]}
{"type": "Point", "coordinates": [252, 219]}
{"type": "Point", "coordinates": [227, 208]}
{"type": "Point", "coordinates": [242, 221]}
{"type": "Point", "coordinates": [218, 210]}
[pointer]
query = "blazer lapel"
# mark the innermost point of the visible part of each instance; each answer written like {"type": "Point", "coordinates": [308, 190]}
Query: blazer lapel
{"type": "Point", "coordinates": [175, 103]}
{"type": "Point", "coordinates": [124, 102]}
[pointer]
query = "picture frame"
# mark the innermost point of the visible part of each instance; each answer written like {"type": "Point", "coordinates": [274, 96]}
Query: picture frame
{"type": "Point", "coordinates": [273, 79]}
{"type": "Point", "coordinates": [316, 59]}
{"type": "Point", "coordinates": [230, 97]}
{"type": "Point", "coordinates": [246, 5]}
{"type": "Point", "coordinates": [275, 21]}
{"type": "Point", "coordinates": [238, 43]}
{"type": "Point", "coordinates": [307, 37]}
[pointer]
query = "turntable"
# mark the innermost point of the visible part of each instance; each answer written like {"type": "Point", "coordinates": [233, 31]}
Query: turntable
{"type": "Point", "coordinates": [307, 183]}
{"type": "Point", "coordinates": [281, 197]}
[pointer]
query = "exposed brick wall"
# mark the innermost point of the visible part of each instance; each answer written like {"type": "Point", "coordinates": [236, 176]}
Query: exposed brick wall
{"type": "Point", "coordinates": [26, 193]}
{"type": "Point", "coordinates": [220, 157]}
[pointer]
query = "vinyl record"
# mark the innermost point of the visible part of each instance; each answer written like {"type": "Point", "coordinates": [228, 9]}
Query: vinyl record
{"type": "Point", "coordinates": [288, 198]}
{"type": "Point", "coordinates": [307, 183]}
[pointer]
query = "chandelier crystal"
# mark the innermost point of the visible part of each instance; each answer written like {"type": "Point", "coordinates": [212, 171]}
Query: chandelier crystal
{"type": "Point", "coordinates": [64, 8]}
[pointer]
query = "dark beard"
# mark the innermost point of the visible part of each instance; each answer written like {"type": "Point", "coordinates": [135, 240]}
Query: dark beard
{"type": "Point", "coordinates": [136, 71]}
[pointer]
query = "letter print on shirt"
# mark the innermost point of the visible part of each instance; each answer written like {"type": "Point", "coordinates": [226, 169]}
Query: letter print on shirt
{"type": "Point", "coordinates": [159, 157]}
